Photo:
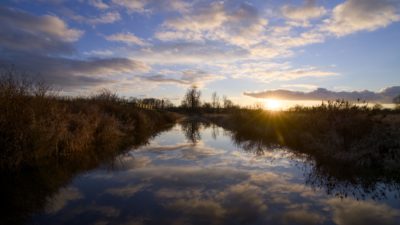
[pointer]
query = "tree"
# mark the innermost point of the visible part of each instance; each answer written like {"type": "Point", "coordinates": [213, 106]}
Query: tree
{"type": "Point", "coordinates": [215, 100]}
{"type": "Point", "coordinates": [227, 102]}
{"type": "Point", "coordinates": [192, 98]}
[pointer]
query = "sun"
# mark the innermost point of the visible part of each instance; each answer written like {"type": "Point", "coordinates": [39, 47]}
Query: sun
{"type": "Point", "coordinates": [273, 104]}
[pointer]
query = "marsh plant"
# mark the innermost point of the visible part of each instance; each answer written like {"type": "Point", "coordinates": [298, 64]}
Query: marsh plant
{"type": "Point", "coordinates": [36, 123]}
{"type": "Point", "coordinates": [347, 133]}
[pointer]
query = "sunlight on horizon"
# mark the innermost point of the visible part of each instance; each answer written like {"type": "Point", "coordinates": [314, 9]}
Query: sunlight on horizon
{"type": "Point", "coordinates": [273, 104]}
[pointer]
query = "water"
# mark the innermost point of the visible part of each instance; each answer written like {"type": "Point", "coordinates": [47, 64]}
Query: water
{"type": "Point", "coordinates": [198, 174]}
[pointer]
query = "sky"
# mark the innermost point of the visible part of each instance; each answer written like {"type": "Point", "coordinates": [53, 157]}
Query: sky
{"type": "Point", "coordinates": [246, 50]}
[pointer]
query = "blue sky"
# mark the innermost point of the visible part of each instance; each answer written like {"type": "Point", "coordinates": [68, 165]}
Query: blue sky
{"type": "Point", "coordinates": [158, 48]}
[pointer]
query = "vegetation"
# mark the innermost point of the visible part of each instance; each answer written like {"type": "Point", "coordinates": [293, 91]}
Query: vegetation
{"type": "Point", "coordinates": [396, 101]}
{"type": "Point", "coordinates": [192, 103]}
{"type": "Point", "coordinates": [46, 139]}
{"type": "Point", "coordinates": [36, 124]}
{"type": "Point", "coordinates": [336, 178]}
{"type": "Point", "coordinates": [339, 132]}
{"type": "Point", "coordinates": [191, 100]}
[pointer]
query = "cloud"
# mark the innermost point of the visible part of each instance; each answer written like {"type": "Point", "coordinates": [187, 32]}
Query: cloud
{"type": "Point", "coordinates": [301, 86]}
{"type": "Point", "coordinates": [62, 198]}
{"type": "Point", "coordinates": [126, 191]}
{"type": "Point", "coordinates": [203, 19]}
{"type": "Point", "coordinates": [22, 31]}
{"type": "Point", "coordinates": [303, 13]}
{"type": "Point", "coordinates": [267, 72]}
{"type": "Point", "coordinates": [198, 209]}
{"type": "Point", "coordinates": [99, 4]}
{"type": "Point", "coordinates": [74, 73]}
{"type": "Point", "coordinates": [245, 27]}
{"type": "Point", "coordinates": [240, 26]}
{"type": "Point", "coordinates": [361, 15]}
{"type": "Point", "coordinates": [297, 40]}
{"type": "Point", "coordinates": [186, 77]}
{"type": "Point", "coordinates": [188, 53]}
{"type": "Point", "coordinates": [384, 96]}
{"type": "Point", "coordinates": [148, 6]}
{"type": "Point", "coordinates": [131, 5]}
{"type": "Point", "coordinates": [99, 53]}
{"type": "Point", "coordinates": [127, 38]}
{"type": "Point", "coordinates": [301, 216]}
{"type": "Point", "coordinates": [348, 211]}
{"type": "Point", "coordinates": [106, 18]}
{"type": "Point", "coordinates": [109, 17]}
{"type": "Point", "coordinates": [43, 46]}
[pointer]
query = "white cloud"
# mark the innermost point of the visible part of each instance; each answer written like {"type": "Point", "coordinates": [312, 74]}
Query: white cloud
{"type": "Point", "coordinates": [148, 6]}
{"type": "Point", "coordinates": [188, 53]}
{"type": "Point", "coordinates": [99, 53]}
{"type": "Point", "coordinates": [109, 17]}
{"type": "Point", "coordinates": [102, 18]}
{"type": "Point", "coordinates": [359, 15]}
{"type": "Point", "coordinates": [131, 5]}
{"type": "Point", "coordinates": [303, 13]}
{"type": "Point", "coordinates": [240, 26]}
{"type": "Point", "coordinates": [186, 77]}
{"type": "Point", "coordinates": [204, 19]}
{"type": "Point", "coordinates": [179, 35]}
{"type": "Point", "coordinates": [300, 86]}
{"type": "Point", "coordinates": [37, 25]}
{"type": "Point", "coordinates": [127, 38]}
{"type": "Point", "coordinates": [22, 31]}
{"type": "Point", "coordinates": [267, 72]}
{"type": "Point", "coordinates": [98, 4]}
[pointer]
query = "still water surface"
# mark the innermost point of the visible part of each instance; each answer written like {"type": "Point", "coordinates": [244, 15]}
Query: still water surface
{"type": "Point", "coordinates": [198, 174]}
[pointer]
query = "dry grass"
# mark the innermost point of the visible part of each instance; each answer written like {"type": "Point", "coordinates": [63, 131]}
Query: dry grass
{"type": "Point", "coordinates": [35, 123]}
{"type": "Point", "coordinates": [338, 131]}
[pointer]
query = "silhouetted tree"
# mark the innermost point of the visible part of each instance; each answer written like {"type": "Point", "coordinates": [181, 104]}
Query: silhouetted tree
{"type": "Point", "coordinates": [192, 98]}
{"type": "Point", "coordinates": [215, 101]}
{"type": "Point", "coordinates": [227, 102]}
{"type": "Point", "coordinates": [207, 106]}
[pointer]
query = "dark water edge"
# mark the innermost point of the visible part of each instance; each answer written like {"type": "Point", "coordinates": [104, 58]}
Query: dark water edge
{"type": "Point", "coordinates": [194, 162]}
{"type": "Point", "coordinates": [26, 190]}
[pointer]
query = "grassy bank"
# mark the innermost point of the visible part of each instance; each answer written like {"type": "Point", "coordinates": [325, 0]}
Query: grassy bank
{"type": "Point", "coordinates": [36, 124]}
{"type": "Point", "coordinates": [337, 132]}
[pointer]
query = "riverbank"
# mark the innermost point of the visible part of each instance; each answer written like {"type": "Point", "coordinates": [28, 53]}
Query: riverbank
{"type": "Point", "coordinates": [37, 125]}
{"type": "Point", "coordinates": [352, 136]}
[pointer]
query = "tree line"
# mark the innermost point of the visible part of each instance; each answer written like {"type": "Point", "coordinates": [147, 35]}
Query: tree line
{"type": "Point", "coordinates": [192, 102]}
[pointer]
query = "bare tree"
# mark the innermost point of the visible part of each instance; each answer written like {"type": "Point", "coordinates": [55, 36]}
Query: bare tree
{"type": "Point", "coordinates": [192, 98]}
{"type": "Point", "coordinates": [227, 102]}
{"type": "Point", "coordinates": [215, 101]}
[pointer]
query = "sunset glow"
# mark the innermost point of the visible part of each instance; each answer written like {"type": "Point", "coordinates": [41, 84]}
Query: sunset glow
{"type": "Point", "coordinates": [273, 104]}
{"type": "Point", "coordinates": [240, 49]}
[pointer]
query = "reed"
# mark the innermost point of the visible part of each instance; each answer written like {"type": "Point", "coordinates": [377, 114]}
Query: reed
{"type": "Point", "coordinates": [36, 123]}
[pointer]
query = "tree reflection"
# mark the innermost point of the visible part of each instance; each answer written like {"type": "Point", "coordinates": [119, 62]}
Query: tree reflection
{"type": "Point", "coordinates": [341, 179]}
{"type": "Point", "coordinates": [191, 129]}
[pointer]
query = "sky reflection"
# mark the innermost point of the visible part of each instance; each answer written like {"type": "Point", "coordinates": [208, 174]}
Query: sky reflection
{"type": "Point", "coordinates": [174, 180]}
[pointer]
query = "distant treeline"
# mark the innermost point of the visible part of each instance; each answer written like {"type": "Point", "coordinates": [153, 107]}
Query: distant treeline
{"type": "Point", "coordinates": [36, 123]}
{"type": "Point", "coordinates": [192, 103]}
